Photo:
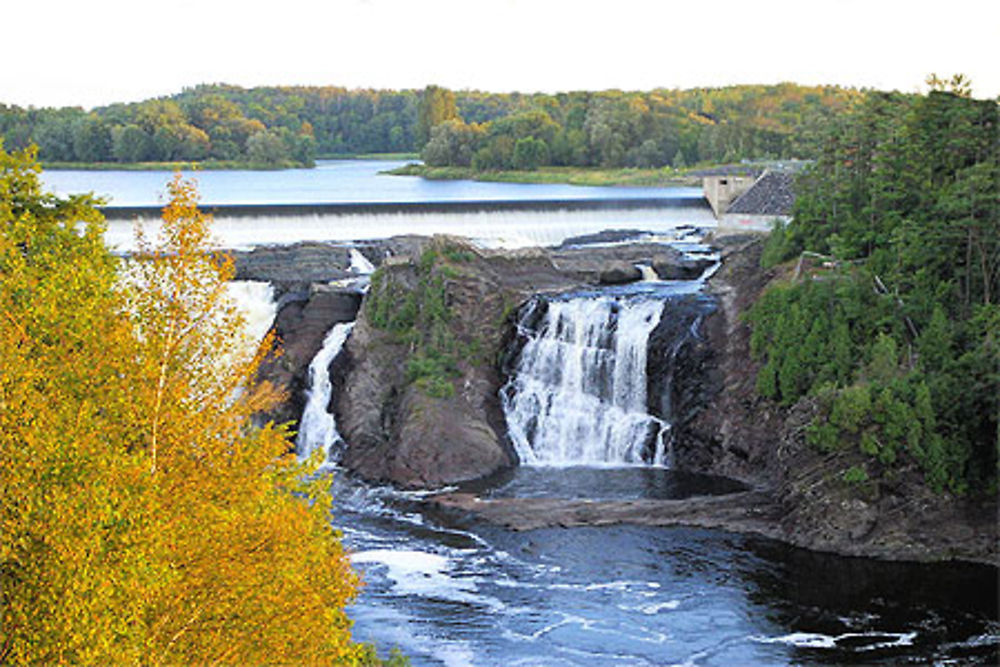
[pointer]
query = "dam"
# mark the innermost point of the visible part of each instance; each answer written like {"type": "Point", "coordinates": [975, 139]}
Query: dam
{"type": "Point", "coordinates": [492, 223]}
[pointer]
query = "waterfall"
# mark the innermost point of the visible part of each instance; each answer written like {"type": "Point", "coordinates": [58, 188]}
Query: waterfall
{"type": "Point", "coordinates": [648, 274]}
{"type": "Point", "coordinates": [255, 301]}
{"type": "Point", "coordinates": [360, 263]}
{"type": "Point", "coordinates": [318, 428]}
{"type": "Point", "coordinates": [578, 391]}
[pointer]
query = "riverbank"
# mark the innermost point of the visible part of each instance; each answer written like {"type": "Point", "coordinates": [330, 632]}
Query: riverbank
{"type": "Point", "coordinates": [203, 165]}
{"type": "Point", "coordinates": [591, 176]}
{"type": "Point", "coordinates": [369, 156]}
{"type": "Point", "coordinates": [219, 165]}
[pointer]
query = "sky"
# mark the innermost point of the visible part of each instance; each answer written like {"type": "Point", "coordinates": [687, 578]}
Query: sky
{"type": "Point", "coordinates": [94, 52]}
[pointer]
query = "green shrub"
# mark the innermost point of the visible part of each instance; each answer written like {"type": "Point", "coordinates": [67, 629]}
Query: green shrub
{"type": "Point", "coordinates": [855, 475]}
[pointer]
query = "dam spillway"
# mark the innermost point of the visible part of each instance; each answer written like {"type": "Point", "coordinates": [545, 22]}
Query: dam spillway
{"type": "Point", "coordinates": [497, 223]}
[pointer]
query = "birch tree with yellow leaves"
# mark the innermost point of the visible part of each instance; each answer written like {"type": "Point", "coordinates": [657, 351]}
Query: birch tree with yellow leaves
{"type": "Point", "coordinates": [144, 517]}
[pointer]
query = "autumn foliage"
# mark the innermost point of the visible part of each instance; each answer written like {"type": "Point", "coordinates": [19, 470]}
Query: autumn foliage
{"type": "Point", "coordinates": [144, 517]}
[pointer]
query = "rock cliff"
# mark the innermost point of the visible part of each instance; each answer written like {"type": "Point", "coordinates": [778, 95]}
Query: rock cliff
{"type": "Point", "coordinates": [418, 398]}
{"type": "Point", "coordinates": [416, 394]}
{"type": "Point", "coordinates": [741, 435]}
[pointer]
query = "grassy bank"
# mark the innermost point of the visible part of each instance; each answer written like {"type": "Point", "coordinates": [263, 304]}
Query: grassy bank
{"type": "Point", "coordinates": [665, 177]}
{"type": "Point", "coordinates": [369, 156]}
{"type": "Point", "coordinates": [205, 165]}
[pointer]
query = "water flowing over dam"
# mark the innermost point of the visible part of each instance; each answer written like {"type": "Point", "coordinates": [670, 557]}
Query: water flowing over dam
{"type": "Point", "coordinates": [491, 223]}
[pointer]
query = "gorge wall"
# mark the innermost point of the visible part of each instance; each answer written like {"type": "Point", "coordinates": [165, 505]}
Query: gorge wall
{"type": "Point", "coordinates": [416, 395]}
{"type": "Point", "coordinates": [739, 434]}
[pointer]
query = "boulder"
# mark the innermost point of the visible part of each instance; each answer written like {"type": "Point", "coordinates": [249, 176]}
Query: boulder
{"type": "Point", "coordinates": [619, 273]}
{"type": "Point", "coordinates": [680, 268]}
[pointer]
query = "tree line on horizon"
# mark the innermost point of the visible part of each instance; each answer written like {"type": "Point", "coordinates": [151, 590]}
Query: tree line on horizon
{"type": "Point", "coordinates": [287, 126]}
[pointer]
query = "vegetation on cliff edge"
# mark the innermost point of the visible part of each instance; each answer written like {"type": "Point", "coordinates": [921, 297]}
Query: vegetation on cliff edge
{"type": "Point", "coordinates": [419, 316]}
{"type": "Point", "coordinates": [892, 329]}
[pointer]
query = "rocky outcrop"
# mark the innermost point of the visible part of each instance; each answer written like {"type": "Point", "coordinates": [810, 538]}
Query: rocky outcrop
{"type": "Point", "coordinates": [295, 267]}
{"type": "Point", "coordinates": [304, 318]}
{"type": "Point", "coordinates": [301, 263]}
{"type": "Point", "coordinates": [741, 435]}
{"type": "Point", "coordinates": [608, 264]}
{"type": "Point", "coordinates": [747, 512]}
{"type": "Point", "coordinates": [444, 426]}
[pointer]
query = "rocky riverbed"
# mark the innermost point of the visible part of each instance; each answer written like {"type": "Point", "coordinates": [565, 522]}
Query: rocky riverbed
{"type": "Point", "coordinates": [402, 433]}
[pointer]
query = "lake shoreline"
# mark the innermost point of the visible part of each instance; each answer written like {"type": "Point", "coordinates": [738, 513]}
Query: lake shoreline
{"type": "Point", "coordinates": [584, 176]}
{"type": "Point", "coordinates": [216, 165]}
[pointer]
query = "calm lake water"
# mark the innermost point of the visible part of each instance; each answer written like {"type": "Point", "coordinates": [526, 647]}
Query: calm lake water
{"type": "Point", "coordinates": [331, 181]}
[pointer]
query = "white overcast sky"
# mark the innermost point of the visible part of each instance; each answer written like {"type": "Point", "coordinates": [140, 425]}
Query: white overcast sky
{"type": "Point", "coordinates": [93, 52]}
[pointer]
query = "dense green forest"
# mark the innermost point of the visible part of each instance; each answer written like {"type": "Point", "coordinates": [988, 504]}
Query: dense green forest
{"type": "Point", "coordinates": [284, 126]}
{"type": "Point", "coordinates": [894, 339]}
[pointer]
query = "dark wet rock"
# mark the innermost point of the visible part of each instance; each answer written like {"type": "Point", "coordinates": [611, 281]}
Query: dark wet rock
{"type": "Point", "coordinates": [619, 273]}
{"type": "Point", "coordinates": [303, 319]}
{"type": "Point", "coordinates": [605, 236]}
{"type": "Point", "coordinates": [678, 355]}
{"type": "Point", "coordinates": [748, 512]}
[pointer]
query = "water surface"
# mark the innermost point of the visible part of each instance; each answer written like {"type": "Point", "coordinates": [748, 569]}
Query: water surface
{"type": "Point", "coordinates": [331, 181]}
{"type": "Point", "coordinates": [451, 590]}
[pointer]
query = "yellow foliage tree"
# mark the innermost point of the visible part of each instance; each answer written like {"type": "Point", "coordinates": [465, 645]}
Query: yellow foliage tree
{"type": "Point", "coordinates": [144, 518]}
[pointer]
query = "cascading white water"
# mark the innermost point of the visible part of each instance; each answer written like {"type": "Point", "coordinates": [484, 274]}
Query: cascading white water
{"type": "Point", "coordinates": [491, 228]}
{"type": "Point", "coordinates": [255, 301]}
{"type": "Point", "coordinates": [360, 263]}
{"type": "Point", "coordinates": [578, 393]}
{"type": "Point", "coordinates": [318, 428]}
{"type": "Point", "coordinates": [649, 275]}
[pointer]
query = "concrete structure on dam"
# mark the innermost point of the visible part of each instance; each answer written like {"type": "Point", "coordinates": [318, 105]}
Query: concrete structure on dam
{"type": "Point", "coordinates": [748, 201]}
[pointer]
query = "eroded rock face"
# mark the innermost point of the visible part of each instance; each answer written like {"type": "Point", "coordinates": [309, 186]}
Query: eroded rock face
{"type": "Point", "coordinates": [741, 435]}
{"type": "Point", "coordinates": [427, 431]}
{"type": "Point", "coordinates": [303, 320]}
{"type": "Point", "coordinates": [678, 385]}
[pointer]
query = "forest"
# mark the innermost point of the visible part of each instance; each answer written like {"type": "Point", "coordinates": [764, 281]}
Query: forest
{"type": "Point", "coordinates": [292, 126]}
{"type": "Point", "coordinates": [892, 341]}
{"type": "Point", "coordinates": [146, 518]}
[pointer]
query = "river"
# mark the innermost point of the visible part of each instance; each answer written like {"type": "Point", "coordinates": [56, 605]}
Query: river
{"type": "Point", "coordinates": [452, 590]}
